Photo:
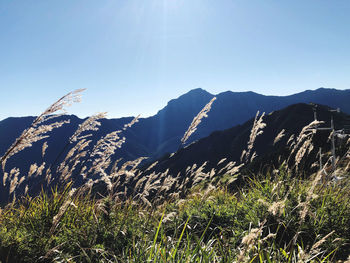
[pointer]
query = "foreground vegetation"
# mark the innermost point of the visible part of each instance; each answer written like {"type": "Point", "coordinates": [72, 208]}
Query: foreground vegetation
{"type": "Point", "coordinates": [222, 215]}
{"type": "Point", "coordinates": [279, 219]}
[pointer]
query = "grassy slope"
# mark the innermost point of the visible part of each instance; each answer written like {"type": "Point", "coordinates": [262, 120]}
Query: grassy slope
{"type": "Point", "coordinates": [271, 218]}
{"type": "Point", "coordinates": [210, 225]}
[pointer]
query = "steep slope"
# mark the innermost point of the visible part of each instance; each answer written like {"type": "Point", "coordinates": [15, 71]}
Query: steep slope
{"type": "Point", "coordinates": [162, 133]}
{"type": "Point", "coordinates": [231, 142]}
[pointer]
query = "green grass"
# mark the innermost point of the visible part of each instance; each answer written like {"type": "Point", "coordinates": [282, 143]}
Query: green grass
{"type": "Point", "coordinates": [207, 226]}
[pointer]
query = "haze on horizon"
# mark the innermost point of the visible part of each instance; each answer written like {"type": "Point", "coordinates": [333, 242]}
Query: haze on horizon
{"type": "Point", "coordinates": [134, 56]}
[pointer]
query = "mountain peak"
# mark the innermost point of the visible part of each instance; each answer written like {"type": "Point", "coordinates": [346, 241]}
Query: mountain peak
{"type": "Point", "coordinates": [195, 99]}
{"type": "Point", "coordinates": [197, 92]}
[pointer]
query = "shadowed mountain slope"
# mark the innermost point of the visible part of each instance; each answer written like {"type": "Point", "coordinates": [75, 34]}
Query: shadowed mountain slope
{"type": "Point", "coordinates": [230, 143]}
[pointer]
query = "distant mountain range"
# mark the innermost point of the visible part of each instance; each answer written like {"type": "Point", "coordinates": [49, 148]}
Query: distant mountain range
{"type": "Point", "coordinates": [160, 134]}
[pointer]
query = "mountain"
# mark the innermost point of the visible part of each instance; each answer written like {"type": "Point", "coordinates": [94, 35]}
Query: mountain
{"type": "Point", "coordinates": [231, 142]}
{"type": "Point", "coordinates": [161, 133]}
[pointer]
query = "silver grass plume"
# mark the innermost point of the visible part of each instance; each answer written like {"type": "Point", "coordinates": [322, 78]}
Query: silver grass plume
{"type": "Point", "coordinates": [68, 202]}
{"type": "Point", "coordinates": [32, 169]}
{"type": "Point", "coordinates": [14, 173]}
{"type": "Point", "coordinates": [28, 137]}
{"type": "Point", "coordinates": [4, 178]}
{"type": "Point", "coordinates": [40, 169]}
{"type": "Point", "coordinates": [151, 166]}
{"type": "Point", "coordinates": [221, 161]}
{"type": "Point", "coordinates": [43, 149]}
{"type": "Point", "coordinates": [291, 139]}
{"type": "Point", "coordinates": [197, 120]}
{"type": "Point", "coordinates": [135, 120]}
{"type": "Point", "coordinates": [249, 240]}
{"type": "Point", "coordinates": [90, 124]}
{"type": "Point", "coordinates": [230, 168]}
{"type": "Point", "coordinates": [72, 159]}
{"type": "Point", "coordinates": [256, 130]}
{"type": "Point", "coordinates": [106, 147]}
{"type": "Point", "coordinates": [303, 144]}
{"type": "Point", "coordinates": [315, 247]}
{"type": "Point", "coordinates": [37, 130]}
{"type": "Point", "coordinates": [131, 165]}
{"type": "Point", "coordinates": [279, 136]}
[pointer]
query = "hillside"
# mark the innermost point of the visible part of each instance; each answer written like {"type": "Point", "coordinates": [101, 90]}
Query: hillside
{"type": "Point", "coordinates": [230, 143]}
{"type": "Point", "coordinates": [131, 215]}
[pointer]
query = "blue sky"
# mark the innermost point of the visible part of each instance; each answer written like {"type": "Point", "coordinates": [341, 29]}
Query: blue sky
{"type": "Point", "coordinates": [135, 55]}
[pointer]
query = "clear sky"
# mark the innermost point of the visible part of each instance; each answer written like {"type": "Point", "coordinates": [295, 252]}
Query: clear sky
{"type": "Point", "coordinates": [135, 55]}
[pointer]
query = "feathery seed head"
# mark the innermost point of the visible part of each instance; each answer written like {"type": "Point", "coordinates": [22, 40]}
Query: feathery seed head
{"type": "Point", "coordinates": [197, 120]}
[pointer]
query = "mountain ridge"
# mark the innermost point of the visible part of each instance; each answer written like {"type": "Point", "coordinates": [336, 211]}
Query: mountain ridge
{"type": "Point", "coordinates": [156, 135]}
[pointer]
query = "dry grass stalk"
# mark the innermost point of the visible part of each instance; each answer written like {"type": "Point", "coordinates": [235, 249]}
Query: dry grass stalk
{"type": "Point", "coordinates": [256, 130]}
{"type": "Point", "coordinates": [43, 149]}
{"type": "Point", "coordinates": [115, 166]}
{"type": "Point", "coordinates": [212, 173]}
{"type": "Point", "coordinates": [316, 246]}
{"type": "Point", "coordinates": [167, 184]}
{"type": "Point", "coordinates": [254, 155]}
{"type": "Point", "coordinates": [234, 169]}
{"type": "Point", "coordinates": [21, 180]}
{"type": "Point", "coordinates": [263, 202]}
{"type": "Point", "coordinates": [59, 105]}
{"type": "Point", "coordinates": [309, 128]}
{"type": "Point", "coordinates": [90, 124]}
{"type": "Point", "coordinates": [37, 130]}
{"type": "Point", "coordinates": [14, 173]}
{"type": "Point", "coordinates": [291, 139]}
{"type": "Point", "coordinates": [32, 169]}
{"type": "Point", "coordinates": [303, 144]}
{"type": "Point", "coordinates": [277, 207]}
{"type": "Point", "coordinates": [249, 240]}
{"type": "Point", "coordinates": [62, 210]}
{"type": "Point", "coordinates": [106, 147]}
{"type": "Point", "coordinates": [197, 120]}
{"type": "Point", "coordinates": [151, 166]}
{"type": "Point", "coordinates": [306, 147]}
{"type": "Point", "coordinates": [74, 151]}
{"type": "Point", "coordinates": [48, 176]}
{"type": "Point", "coordinates": [131, 165]}
{"type": "Point", "coordinates": [28, 137]}
{"type": "Point", "coordinates": [40, 169]}
{"type": "Point", "coordinates": [227, 167]}
{"type": "Point", "coordinates": [310, 195]}
{"type": "Point", "coordinates": [279, 136]}
{"type": "Point", "coordinates": [209, 190]}
{"type": "Point", "coordinates": [140, 182]}
{"type": "Point", "coordinates": [72, 159]}
{"type": "Point", "coordinates": [107, 180]}
{"type": "Point", "coordinates": [307, 256]}
{"type": "Point", "coordinates": [128, 125]}
{"type": "Point", "coordinates": [169, 217]}
{"type": "Point", "coordinates": [269, 236]}
{"type": "Point", "coordinates": [26, 190]}
{"type": "Point", "coordinates": [221, 161]}
{"type": "Point", "coordinates": [4, 178]}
